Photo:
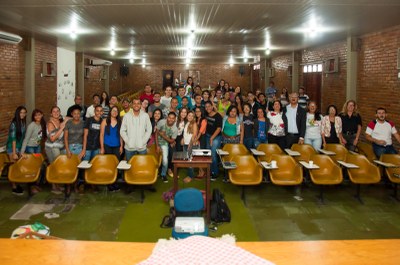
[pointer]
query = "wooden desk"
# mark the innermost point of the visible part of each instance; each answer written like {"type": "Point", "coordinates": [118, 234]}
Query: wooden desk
{"type": "Point", "coordinates": [197, 162]}
{"type": "Point", "coordinates": [63, 252]}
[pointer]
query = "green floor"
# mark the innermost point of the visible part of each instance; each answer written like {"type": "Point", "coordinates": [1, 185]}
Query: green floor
{"type": "Point", "coordinates": [272, 213]}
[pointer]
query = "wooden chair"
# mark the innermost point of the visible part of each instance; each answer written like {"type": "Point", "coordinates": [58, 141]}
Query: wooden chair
{"type": "Point", "coordinates": [367, 173]}
{"type": "Point", "coordinates": [393, 173]}
{"type": "Point", "coordinates": [26, 170]}
{"type": "Point", "coordinates": [340, 150]}
{"type": "Point", "coordinates": [63, 170]}
{"type": "Point", "coordinates": [103, 170]}
{"type": "Point", "coordinates": [305, 150]}
{"type": "Point", "coordinates": [143, 171]}
{"type": "Point", "coordinates": [329, 173]}
{"type": "Point", "coordinates": [248, 172]}
{"type": "Point", "coordinates": [367, 150]}
{"type": "Point", "coordinates": [288, 173]}
{"type": "Point", "coordinates": [269, 150]}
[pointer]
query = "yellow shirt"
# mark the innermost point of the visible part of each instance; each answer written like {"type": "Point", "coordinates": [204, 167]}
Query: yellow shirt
{"type": "Point", "coordinates": [122, 112]}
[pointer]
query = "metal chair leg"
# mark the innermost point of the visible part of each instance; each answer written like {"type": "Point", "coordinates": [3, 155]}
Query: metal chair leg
{"type": "Point", "coordinates": [321, 194]}
{"type": "Point", "coordinates": [141, 195]}
{"type": "Point", "coordinates": [394, 195]}
{"type": "Point", "coordinates": [357, 196]}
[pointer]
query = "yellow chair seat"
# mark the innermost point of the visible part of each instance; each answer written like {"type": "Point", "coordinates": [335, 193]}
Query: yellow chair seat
{"type": "Point", "coordinates": [103, 170]}
{"type": "Point", "coordinates": [269, 150]}
{"type": "Point", "coordinates": [390, 171]}
{"type": "Point", "coordinates": [340, 150]}
{"type": "Point", "coordinates": [367, 173]}
{"type": "Point", "coordinates": [234, 150]}
{"type": "Point", "coordinates": [305, 150]}
{"type": "Point", "coordinates": [4, 160]}
{"type": "Point", "coordinates": [288, 171]}
{"type": "Point", "coordinates": [152, 150]}
{"type": "Point", "coordinates": [26, 170]}
{"type": "Point", "coordinates": [367, 150]}
{"type": "Point", "coordinates": [63, 170]}
{"type": "Point", "coordinates": [329, 173]}
{"type": "Point", "coordinates": [143, 171]}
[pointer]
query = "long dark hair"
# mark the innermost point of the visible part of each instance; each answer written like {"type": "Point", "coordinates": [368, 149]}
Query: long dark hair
{"type": "Point", "coordinates": [18, 122]}
{"type": "Point", "coordinates": [153, 121]}
{"type": "Point", "coordinates": [107, 103]}
{"type": "Point", "coordinates": [108, 121]}
{"type": "Point", "coordinates": [42, 122]}
{"type": "Point", "coordinates": [333, 106]}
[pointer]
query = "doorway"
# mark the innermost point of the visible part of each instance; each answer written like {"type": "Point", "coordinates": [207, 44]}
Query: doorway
{"type": "Point", "coordinates": [313, 83]}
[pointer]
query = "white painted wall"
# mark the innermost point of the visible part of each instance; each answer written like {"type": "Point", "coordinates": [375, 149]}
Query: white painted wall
{"type": "Point", "coordinates": [65, 79]}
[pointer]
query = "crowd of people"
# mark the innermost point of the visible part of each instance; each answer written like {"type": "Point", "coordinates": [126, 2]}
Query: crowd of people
{"type": "Point", "coordinates": [178, 117]}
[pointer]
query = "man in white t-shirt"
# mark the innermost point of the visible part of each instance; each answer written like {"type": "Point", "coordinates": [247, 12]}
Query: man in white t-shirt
{"type": "Point", "coordinates": [380, 132]}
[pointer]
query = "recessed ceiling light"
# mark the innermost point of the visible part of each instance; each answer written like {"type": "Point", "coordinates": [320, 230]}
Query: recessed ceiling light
{"type": "Point", "coordinates": [112, 52]}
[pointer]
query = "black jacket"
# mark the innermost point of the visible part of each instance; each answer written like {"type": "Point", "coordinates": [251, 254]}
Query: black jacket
{"type": "Point", "coordinates": [301, 119]}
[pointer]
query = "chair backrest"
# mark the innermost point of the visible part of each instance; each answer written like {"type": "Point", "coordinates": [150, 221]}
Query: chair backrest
{"type": "Point", "coordinates": [65, 164]}
{"type": "Point", "coordinates": [323, 161]}
{"type": "Point", "coordinates": [340, 150]}
{"type": "Point", "coordinates": [305, 150]}
{"type": "Point", "coordinates": [151, 150]}
{"type": "Point", "coordinates": [29, 165]}
{"type": "Point", "coordinates": [269, 150]}
{"type": "Point", "coordinates": [104, 164]}
{"type": "Point", "coordinates": [234, 150]}
{"type": "Point", "coordinates": [188, 200]}
{"type": "Point", "coordinates": [143, 163]}
{"type": "Point", "coordinates": [4, 158]}
{"type": "Point", "coordinates": [367, 150]}
{"type": "Point", "coordinates": [390, 171]}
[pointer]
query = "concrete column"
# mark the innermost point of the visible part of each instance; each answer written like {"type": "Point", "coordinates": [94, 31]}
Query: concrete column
{"type": "Point", "coordinates": [29, 84]}
{"type": "Point", "coordinates": [80, 78]}
{"type": "Point", "coordinates": [296, 58]}
{"type": "Point", "coordinates": [352, 60]}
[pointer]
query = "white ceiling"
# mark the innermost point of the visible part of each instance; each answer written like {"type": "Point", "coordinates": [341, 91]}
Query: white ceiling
{"type": "Point", "coordinates": [158, 30]}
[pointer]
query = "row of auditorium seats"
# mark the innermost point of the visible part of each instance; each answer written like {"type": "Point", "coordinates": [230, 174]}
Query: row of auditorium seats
{"type": "Point", "coordinates": [144, 169]}
{"type": "Point", "coordinates": [289, 171]}
{"type": "Point", "coordinates": [103, 170]}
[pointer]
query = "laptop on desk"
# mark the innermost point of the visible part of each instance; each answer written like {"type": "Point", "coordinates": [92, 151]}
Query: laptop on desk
{"type": "Point", "coordinates": [184, 155]}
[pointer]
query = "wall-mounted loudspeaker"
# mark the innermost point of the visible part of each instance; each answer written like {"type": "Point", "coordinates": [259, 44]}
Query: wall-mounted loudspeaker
{"type": "Point", "coordinates": [124, 70]}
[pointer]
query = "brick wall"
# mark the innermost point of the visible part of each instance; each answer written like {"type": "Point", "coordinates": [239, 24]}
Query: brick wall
{"type": "Point", "coordinates": [333, 90]}
{"type": "Point", "coordinates": [210, 74]}
{"type": "Point", "coordinates": [378, 85]}
{"type": "Point", "coordinates": [46, 86]}
{"type": "Point", "coordinates": [281, 78]}
{"type": "Point", "coordinates": [11, 85]}
{"type": "Point", "coordinates": [94, 83]}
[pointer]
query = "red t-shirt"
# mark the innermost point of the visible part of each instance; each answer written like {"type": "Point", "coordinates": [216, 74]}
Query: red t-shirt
{"type": "Point", "coordinates": [148, 97]}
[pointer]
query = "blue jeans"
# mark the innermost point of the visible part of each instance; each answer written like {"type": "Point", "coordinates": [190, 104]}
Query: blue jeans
{"type": "Point", "coordinates": [248, 142]}
{"type": "Point", "coordinates": [129, 154]}
{"type": "Point", "coordinates": [75, 149]}
{"type": "Point", "coordinates": [257, 142]}
{"type": "Point", "coordinates": [215, 145]}
{"type": "Point", "coordinates": [380, 149]}
{"type": "Point", "coordinates": [316, 142]}
{"type": "Point", "coordinates": [164, 167]}
{"type": "Point", "coordinates": [33, 149]}
{"type": "Point", "coordinates": [90, 154]}
{"type": "Point", "coordinates": [190, 169]}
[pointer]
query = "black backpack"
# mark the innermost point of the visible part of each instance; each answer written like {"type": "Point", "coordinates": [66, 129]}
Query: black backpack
{"type": "Point", "coordinates": [219, 209]}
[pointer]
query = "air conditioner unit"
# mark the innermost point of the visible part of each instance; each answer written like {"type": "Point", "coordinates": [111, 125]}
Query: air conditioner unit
{"type": "Point", "coordinates": [100, 62]}
{"type": "Point", "coordinates": [9, 38]}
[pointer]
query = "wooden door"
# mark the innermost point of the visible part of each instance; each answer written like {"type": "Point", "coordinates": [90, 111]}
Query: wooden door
{"type": "Point", "coordinates": [313, 82]}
